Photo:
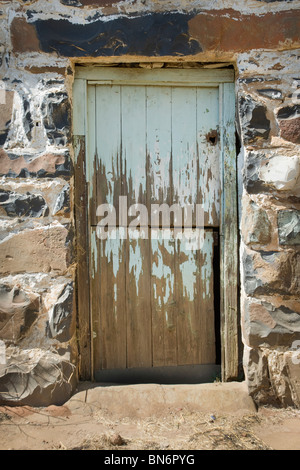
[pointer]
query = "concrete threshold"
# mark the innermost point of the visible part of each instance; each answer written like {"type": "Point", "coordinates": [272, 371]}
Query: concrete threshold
{"type": "Point", "coordinates": [143, 400]}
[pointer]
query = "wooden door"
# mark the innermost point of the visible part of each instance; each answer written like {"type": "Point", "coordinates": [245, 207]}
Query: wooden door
{"type": "Point", "coordinates": [152, 298]}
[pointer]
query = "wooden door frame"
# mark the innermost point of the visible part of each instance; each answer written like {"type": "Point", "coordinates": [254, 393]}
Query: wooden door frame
{"type": "Point", "coordinates": [229, 249]}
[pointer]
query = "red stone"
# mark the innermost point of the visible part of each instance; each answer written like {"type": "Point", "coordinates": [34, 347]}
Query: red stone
{"type": "Point", "coordinates": [290, 130]}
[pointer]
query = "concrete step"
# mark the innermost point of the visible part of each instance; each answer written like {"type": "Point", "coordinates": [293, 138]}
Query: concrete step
{"type": "Point", "coordinates": [142, 400]}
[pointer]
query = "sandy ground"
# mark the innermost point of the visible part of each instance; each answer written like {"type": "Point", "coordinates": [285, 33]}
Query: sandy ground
{"type": "Point", "coordinates": [79, 425]}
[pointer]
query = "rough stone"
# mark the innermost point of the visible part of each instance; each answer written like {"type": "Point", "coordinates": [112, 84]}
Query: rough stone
{"type": "Point", "coordinates": [43, 166]}
{"type": "Point", "coordinates": [244, 31]}
{"type": "Point", "coordinates": [23, 36]}
{"type": "Point", "coordinates": [62, 314]}
{"type": "Point", "coordinates": [269, 273]}
{"type": "Point", "coordinates": [56, 113]}
{"type": "Point", "coordinates": [41, 249]}
{"type": "Point", "coordinates": [254, 122]}
{"type": "Point", "coordinates": [282, 173]}
{"type": "Point", "coordinates": [6, 110]}
{"type": "Point", "coordinates": [290, 130]}
{"type": "Point", "coordinates": [155, 34]}
{"type": "Point", "coordinates": [265, 325]}
{"type": "Point", "coordinates": [36, 377]}
{"type": "Point", "coordinates": [252, 182]}
{"type": "Point", "coordinates": [288, 112]}
{"type": "Point", "coordinates": [272, 377]}
{"type": "Point", "coordinates": [272, 93]}
{"type": "Point", "coordinates": [18, 311]}
{"type": "Point", "coordinates": [62, 205]}
{"type": "Point", "coordinates": [289, 227]}
{"type": "Point", "coordinates": [23, 205]}
{"type": "Point", "coordinates": [284, 373]}
{"type": "Point", "coordinates": [27, 119]}
{"type": "Point", "coordinates": [257, 377]}
{"type": "Point", "coordinates": [256, 226]}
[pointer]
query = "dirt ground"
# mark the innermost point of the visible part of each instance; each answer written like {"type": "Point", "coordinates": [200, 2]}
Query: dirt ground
{"type": "Point", "coordinates": [85, 426]}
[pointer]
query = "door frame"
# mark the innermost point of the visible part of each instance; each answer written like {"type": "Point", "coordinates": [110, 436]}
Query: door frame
{"type": "Point", "coordinates": [229, 244]}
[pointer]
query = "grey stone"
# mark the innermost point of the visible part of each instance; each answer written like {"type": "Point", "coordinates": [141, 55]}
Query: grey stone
{"type": "Point", "coordinates": [18, 312]}
{"type": "Point", "coordinates": [269, 273]}
{"type": "Point", "coordinates": [62, 204]}
{"type": "Point", "coordinates": [289, 112]}
{"type": "Point", "coordinates": [265, 325]}
{"type": "Point", "coordinates": [254, 122]}
{"type": "Point", "coordinates": [271, 93]}
{"type": "Point", "coordinates": [23, 205]}
{"type": "Point", "coordinates": [257, 377]}
{"type": "Point", "coordinates": [252, 182]}
{"type": "Point", "coordinates": [256, 225]}
{"type": "Point", "coordinates": [56, 113]}
{"type": "Point", "coordinates": [36, 377]}
{"type": "Point", "coordinates": [281, 173]}
{"type": "Point", "coordinates": [289, 227]}
{"type": "Point", "coordinates": [61, 315]}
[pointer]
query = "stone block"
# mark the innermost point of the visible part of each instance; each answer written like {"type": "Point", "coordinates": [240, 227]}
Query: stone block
{"type": "Point", "coordinates": [18, 311]}
{"type": "Point", "coordinates": [56, 112]}
{"type": "Point", "coordinates": [62, 205]}
{"type": "Point", "coordinates": [272, 377]}
{"type": "Point", "coordinates": [41, 249]}
{"type": "Point", "coordinates": [289, 227]}
{"type": "Point", "coordinates": [269, 273]}
{"type": "Point", "coordinates": [41, 166]}
{"type": "Point", "coordinates": [61, 314]}
{"type": "Point", "coordinates": [23, 36]}
{"type": "Point", "coordinates": [271, 93]}
{"type": "Point", "coordinates": [267, 325]}
{"type": "Point", "coordinates": [36, 377]}
{"type": "Point", "coordinates": [290, 130]}
{"type": "Point", "coordinates": [255, 364]}
{"type": "Point", "coordinates": [22, 205]}
{"type": "Point", "coordinates": [254, 122]}
{"type": "Point", "coordinates": [256, 226]}
{"type": "Point", "coordinates": [6, 110]}
{"type": "Point", "coordinates": [281, 173]}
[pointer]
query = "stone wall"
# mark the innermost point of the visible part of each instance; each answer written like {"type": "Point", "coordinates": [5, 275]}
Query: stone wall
{"type": "Point", "coordinates": [269, 109]}
{"type": "Point", "coordinates": [40, 42]}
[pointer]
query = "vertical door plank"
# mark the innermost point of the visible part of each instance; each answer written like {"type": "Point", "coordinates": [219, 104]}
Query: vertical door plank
{"type": "Point", "coordinates": [184, 151]}
{"type": "Point", "coordinates": [138, 306]}
{"type": "Point", "coordinates": [163, 299]}
{"type": "Point", "coordinates": [209, 183]}
{"type": "Point", "coordinates": [207, 339]}
{"type": "Point", "coordinates": [134, 143]}
{"type": "Point", "coordinates": [91, 149]}
{"type": "Point", "coordinates": [194, 301]}
{"type": "Point", "coordinates": [159, 143]}
{"type": "Point", "coordinates": [108, 142]}
{"type": "Point", "coordinates": [108, 301]}
{"type": "Point", "coordinates": [229, 247]}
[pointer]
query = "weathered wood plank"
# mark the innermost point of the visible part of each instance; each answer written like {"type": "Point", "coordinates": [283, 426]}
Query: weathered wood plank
{"type": "Point", "coordinates": [209, 183]}
{"type": "Point", "coordinates": [164, 332]}
{"type": "Point", "coordinates": [161, 77]}
{"type": "Point", "coordinates": [138, 282]}
{"type": "Point", "coordinates": [82, 265]}
{"type": "Point", "coordinates": [195, 301]}
{"type": "Point", "coordinates": [108, 300]}
{"type": "Point", "coordinates": [134, 143]}
{"type": "Point", "coordinates": [108, 168]}
{"type": "Point", "coordinates": [229, 245]}
{"type": "Point", "coordinates": [184, 150]}
{"type": "Point", "coordinates": [159, 141]}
